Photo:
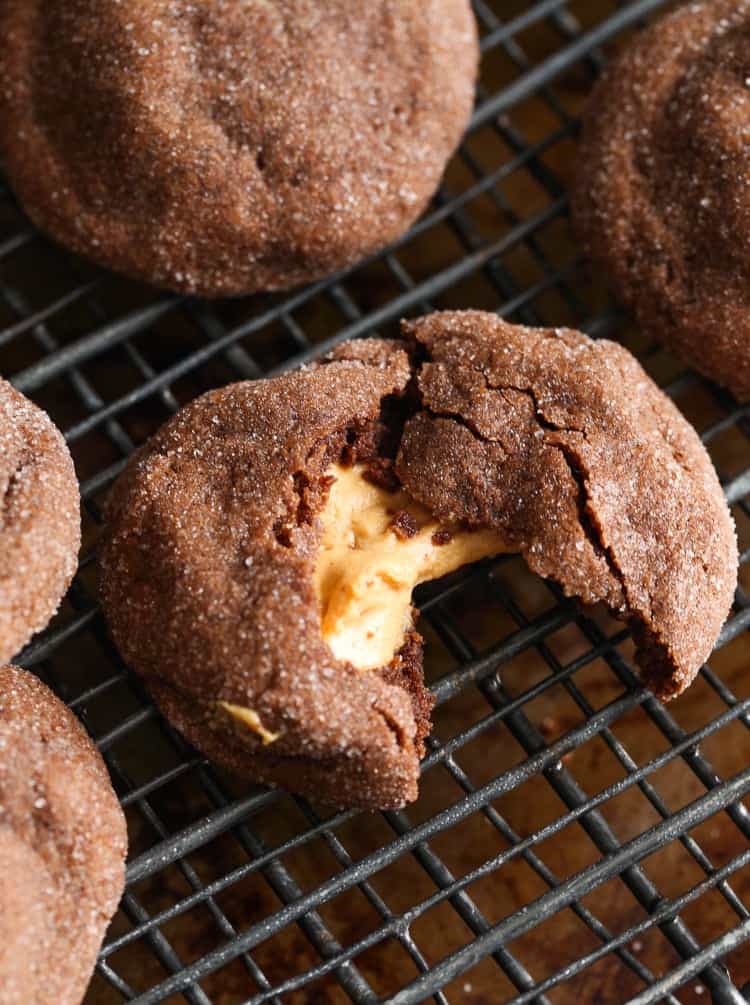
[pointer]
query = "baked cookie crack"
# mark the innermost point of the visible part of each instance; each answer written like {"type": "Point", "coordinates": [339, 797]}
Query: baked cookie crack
{"type": "Point", "coordinates": [10, 488]}
{"type": "Point", "coordinates": [462, 421]}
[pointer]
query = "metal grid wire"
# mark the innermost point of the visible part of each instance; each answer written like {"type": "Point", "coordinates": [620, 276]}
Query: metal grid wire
{"type": "Point", "coordinates": [574, 839]}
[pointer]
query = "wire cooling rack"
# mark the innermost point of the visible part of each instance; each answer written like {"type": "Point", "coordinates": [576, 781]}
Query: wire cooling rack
{"type": "Point", "coordinates": [574, 841]}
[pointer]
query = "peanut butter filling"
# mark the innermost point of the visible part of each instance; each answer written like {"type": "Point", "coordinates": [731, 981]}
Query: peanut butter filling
{"type": "Point", "coordinates": [250, 719]}
{"type": "Point", "coordinates": [377, 546]}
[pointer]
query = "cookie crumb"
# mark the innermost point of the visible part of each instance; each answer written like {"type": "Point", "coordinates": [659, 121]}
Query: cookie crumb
{"type": "Point", "coordinates": [404, 525]}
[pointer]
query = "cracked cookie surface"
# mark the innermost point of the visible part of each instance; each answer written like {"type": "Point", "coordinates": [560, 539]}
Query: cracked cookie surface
{"type": "Point", "coordinates": [536, 441]}
{"type": "Point", "coordinates": [661, 200]}
{"type": "Point", "coordinates": [223, 147]}
{"type": "Point", "coordinates": [40, 528]}
{"type": "Point", "coordinates": [62, 847]}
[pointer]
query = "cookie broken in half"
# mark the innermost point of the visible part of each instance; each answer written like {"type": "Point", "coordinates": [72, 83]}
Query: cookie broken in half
{"type": "Point", "coordinates": [262, 549]}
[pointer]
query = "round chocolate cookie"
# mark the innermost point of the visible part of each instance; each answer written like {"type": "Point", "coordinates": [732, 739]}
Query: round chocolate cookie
{"type": "Point", "coordinates": [62, 847]}
{"type": "Point", "coordinates": [222, 148]}
{"type": "Point", "coordinates": [40, 523]}
{"type": "Point", "coordinates": [662, 196]}
{"type": "Point", "coordinates": [262, 549]}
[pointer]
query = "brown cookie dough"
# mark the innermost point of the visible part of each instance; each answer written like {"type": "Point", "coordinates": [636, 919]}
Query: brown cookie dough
{"type": "Point", "coordinates": [62, 847]}
{"type": "Point", "coordinates": [222, 148]}
{"type": "Point", "coordinates": [262, 549]}
{"type": "Point", "coordinates": [40, 524]}
{"type": "Point", "coordinates": [662, 196]}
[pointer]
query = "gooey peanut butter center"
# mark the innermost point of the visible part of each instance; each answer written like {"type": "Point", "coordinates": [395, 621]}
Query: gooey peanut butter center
{"type": "Point", "coordinates": [376, 547]}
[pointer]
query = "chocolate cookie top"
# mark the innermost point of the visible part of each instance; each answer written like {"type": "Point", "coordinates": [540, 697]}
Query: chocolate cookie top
{"type": "Point", "coordinates": [62, 847]}
{"type": "Point", "coordinates": [256, 544]}
{"type": "Point", "coordinates": [40, 524]}
{"type": "Point", "coordinates": [222, 147]}
{"type": "Point", "coordinates": [568, 449]}
{"type": "Point", "coordinates": [662, 196]}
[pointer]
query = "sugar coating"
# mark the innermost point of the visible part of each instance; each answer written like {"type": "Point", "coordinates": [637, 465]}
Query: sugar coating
{"type": "Point", "coordinates": [223, 147]}
{"type": "Point", "coordinates": [62, 847]}
{"type": "Point", "coordinates": [40, 524]}
{"type": "Point", "coordinates": [662, 196]}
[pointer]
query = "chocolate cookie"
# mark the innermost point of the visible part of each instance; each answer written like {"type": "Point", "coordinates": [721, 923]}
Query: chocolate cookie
{"type": "Point", "coordinates": [662, 200]}
{"type": "Point", "coordinates": [40, 524]}
{"type": "Point", "coordinates": [262, 549]}
{"type": "Point", "coordinates": [62, 847]}
{"type": "Point", "coordinates": [222, 148]}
